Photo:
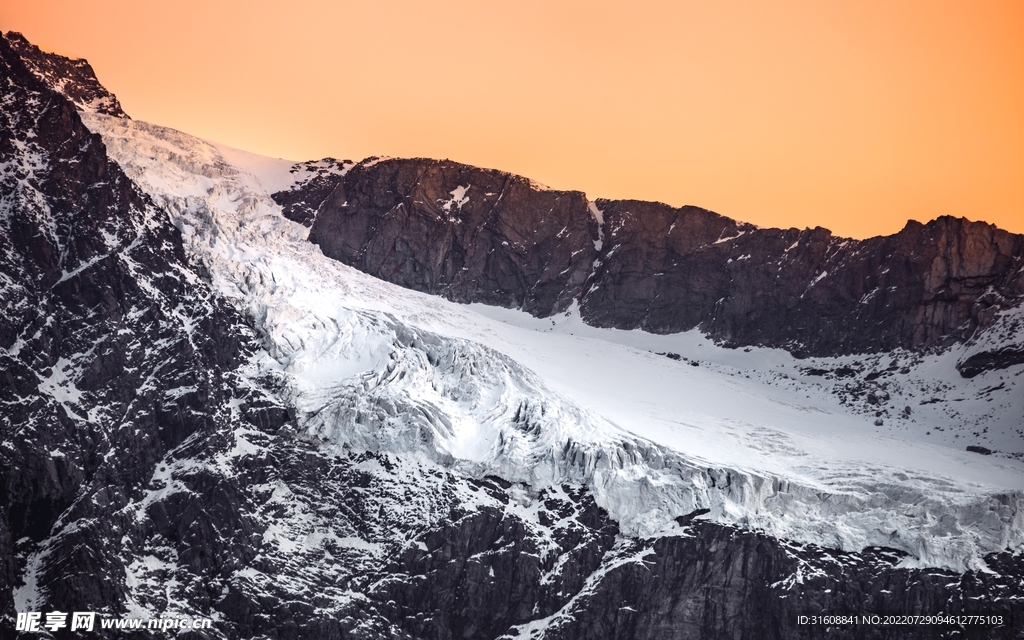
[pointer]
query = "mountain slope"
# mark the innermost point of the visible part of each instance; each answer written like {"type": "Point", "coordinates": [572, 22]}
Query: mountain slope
{"type": "Point", "coordinates": [373, 368]}
{"type": "Point", "coordinates": [114, 351]}
{"type": "Point", "coordinates": [72, 78]}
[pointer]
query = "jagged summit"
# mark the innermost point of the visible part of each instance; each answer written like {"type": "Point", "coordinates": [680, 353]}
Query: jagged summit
{"type": "Point", "coordinates": [72, 77]}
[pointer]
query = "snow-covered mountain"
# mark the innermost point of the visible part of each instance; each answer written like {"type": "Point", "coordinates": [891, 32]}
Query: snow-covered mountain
{"type": "Point", "coordinates": [373, 366]}
{"type": "Point", "coordinates": [352, 458]}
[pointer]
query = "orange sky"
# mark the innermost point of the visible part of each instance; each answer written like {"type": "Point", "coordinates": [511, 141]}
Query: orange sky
{"type": "Point", "coordinates": [854, 115]}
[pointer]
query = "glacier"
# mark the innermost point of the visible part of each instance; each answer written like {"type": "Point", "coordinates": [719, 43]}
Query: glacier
{"type": "Point", "coordinates": [746, 434]}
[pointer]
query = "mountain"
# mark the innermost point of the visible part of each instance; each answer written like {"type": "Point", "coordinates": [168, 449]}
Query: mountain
{"type": "Point", "coordinates": [72, 78]}
{"type": "Point", "coordinates": [211, 414]}
{"type": "Point", "coordinates": [477, 235]}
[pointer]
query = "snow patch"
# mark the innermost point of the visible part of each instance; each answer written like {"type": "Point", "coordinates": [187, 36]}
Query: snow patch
{"type": "Point", "coordinates": [599, 216]}
{"type": "Point", "coordinates": [457, 200]}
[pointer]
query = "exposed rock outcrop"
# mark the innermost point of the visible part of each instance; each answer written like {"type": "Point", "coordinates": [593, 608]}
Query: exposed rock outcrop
{"type": "Point", "coordinates": [928, 285]}
{"type": "Point", "coordinates": [475, 235]}
{"type": "Point", "coordinates": [471, 235]}
{"type": "Point", "coordinates": [990, 360]}
{"type": "Point", "coordinates": [112, 351]}
{"type": "Point", "coordinates": [71, 77]}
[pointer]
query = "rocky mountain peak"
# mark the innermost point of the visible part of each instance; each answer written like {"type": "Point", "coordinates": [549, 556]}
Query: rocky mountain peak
{"type": "Point", "coordinates": [476, 235]}
{"type": "Point", "coordinates": [72, 77]}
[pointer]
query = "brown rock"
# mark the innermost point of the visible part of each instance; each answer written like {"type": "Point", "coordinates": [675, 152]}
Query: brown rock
{"type": "Point", "coordinates": [476, 235]}
{"type": "Point", "coordinates": [471, 235]}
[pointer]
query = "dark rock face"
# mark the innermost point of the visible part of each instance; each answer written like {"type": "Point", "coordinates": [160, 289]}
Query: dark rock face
{"type": "Point", "coordinates": [988, 360]}
{"type": "Point", "coordinates": [471, 235]}
{"type": "Point", "coordinates": [487, 570]}
{"type": "Point", "coordinates": [720, 582]}
{"type": "Point", "coordinates": [112, 351]}
{"type": "Point", "coordinates": [474, 235]}
{"type": "Point", "coordinates": [74, 78]}
{"type": "Point", "coordinates": [286, 541]}
{"type": "Point", "coordinates": [804, 290]}
{"type": "Point", "coordinates": [316, 182]}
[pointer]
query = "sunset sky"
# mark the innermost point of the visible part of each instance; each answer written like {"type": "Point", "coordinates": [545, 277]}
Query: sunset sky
{"type": "Point", "coordinates": [853, 115]}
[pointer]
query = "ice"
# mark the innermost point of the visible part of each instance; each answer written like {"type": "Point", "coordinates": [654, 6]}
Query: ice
{"type": "Point", "coordinates": [273, 173]}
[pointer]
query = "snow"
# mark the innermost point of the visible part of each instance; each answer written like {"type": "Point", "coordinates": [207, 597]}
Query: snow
{"type": "Point", "coordinates": [457, 200]}
{"type": "Point", "coordinates": [26, 596]}
{"type": "Point", "coordinates": [599, 217]}
{"type": "Point", "coordinates": [60, 385]}
{"type": "Point", "coordinates": [273, 173]}
{"type": "Point", "coordinates": [489, 391]}
{"type": "Point", "coordinates": [729, 238]}
{"type": "Point", "coordinates": [67, 275]}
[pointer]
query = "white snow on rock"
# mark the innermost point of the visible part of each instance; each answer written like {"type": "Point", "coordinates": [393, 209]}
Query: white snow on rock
{"type": "Point", "coordinates": [457, 200]}
{"type": "Point", "coordinates": [745, 433]}
{"type": "Point", "coordinates": [599, 217]}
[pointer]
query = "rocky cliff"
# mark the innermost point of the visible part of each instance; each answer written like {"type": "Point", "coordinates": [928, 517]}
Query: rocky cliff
{"type": "Point", "coordinates": [112, 350]}
{"type": "Point", "coordinates": [471, 235]}
{"type": "Point", "coordinates": [475, 235]}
